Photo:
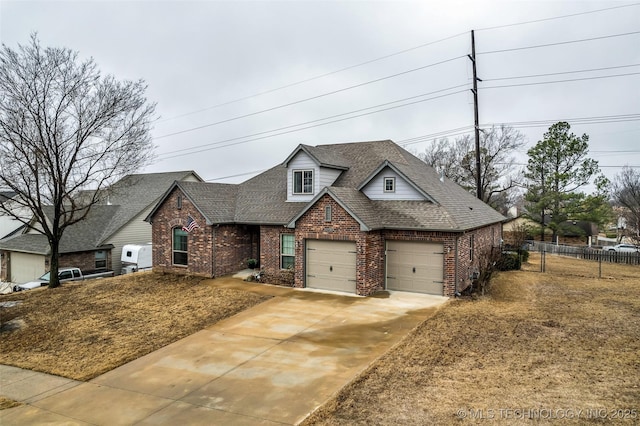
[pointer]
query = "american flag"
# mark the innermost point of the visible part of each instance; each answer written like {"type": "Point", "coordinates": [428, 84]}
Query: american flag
{"type": "Point", "coordinates": [191, 224]}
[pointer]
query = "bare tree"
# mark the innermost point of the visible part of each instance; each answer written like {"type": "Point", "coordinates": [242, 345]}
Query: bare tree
{"type": "Point", "coordinates": [626, 194]}
{"type": "Point", "coordinates": [499, 171]}
{"type": "Point", "coordinates": [66, 129]}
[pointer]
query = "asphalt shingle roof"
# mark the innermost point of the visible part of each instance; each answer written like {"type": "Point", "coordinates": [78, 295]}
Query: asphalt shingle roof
{"type": "Point", "coordinates": [262, 199]}
{"type": "Point", "coordinates": [27, 243]}
{"type": "Point", "coordinates": [216, 201]}
{"type": "Point", "coordinates": [327, 157]}
{"type": "Point", "coordinates": [82, 236]}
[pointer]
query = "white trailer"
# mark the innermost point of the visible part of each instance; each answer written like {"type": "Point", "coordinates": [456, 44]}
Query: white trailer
{"type": "Point", "coordinates": [136, 257]}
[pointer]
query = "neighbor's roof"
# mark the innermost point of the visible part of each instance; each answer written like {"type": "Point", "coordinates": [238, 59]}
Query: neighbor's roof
{"type": "Point", "coordinates": [82, 236]}
{"type": "Point", "coordinates": [6, 196]}
{"type": "Point", "coordinates": [136, 193]}
{"type": "Point", "coordinates": [26, 243]}
{"type": "Point", "coordinates": [262, 199]}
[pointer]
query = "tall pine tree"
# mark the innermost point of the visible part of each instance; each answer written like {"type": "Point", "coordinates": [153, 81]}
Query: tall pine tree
{"type": "Point", "coordinates": [558, 166]}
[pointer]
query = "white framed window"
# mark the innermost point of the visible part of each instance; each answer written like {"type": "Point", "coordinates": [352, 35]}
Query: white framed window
{"type": "Point", "coordinates": [179, 253]}
{"type": "Point", "coordinates": [303, 181]}
{"type": "Point", "coordinates": [327, 213]}
{"type": "Point", "coordinates": [389, 184]}
{"type": "Point", "coordinates": [287, 251]}
{"type": "Point", "coordinates": [101, 259]}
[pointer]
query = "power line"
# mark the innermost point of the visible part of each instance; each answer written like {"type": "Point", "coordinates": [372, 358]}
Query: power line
{"type": "Point", "coordinates": [556, 17]}
{"type": "Point", "coordinates": [385, 57]}
{"type": "Point", "coordinates": [308, 99]}
{"type": "Point", "coordinates": [316, 77]}
{"type": "Point", "coordinates": [393, 76]}
{"type": "Point", "coordinates": [319, 119]}
{"type": "Point", "coordinates": [558, 43]}
{"type": "Point", "coordinates": [523, 124]}
{"type": "Point", "coordinates": [238, 175]}
{"type": "Point", "coordinates": [560, 73]}
{"type": "Point", "coordinates": [576, 120]}
{"type": "Point", "coordinates": [309, 127]}
{"type": "Point", "coordinates": [559, 81]}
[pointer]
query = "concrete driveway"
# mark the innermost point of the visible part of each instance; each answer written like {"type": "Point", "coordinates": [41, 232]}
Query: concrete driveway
{"type": "Point", "coordinates": [271, 364]}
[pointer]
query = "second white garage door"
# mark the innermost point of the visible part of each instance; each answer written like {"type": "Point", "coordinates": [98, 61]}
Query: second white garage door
{"type": "Point", "coordinates": [415, 266]}
{"type": "Point", "coordinates": [331, 265]}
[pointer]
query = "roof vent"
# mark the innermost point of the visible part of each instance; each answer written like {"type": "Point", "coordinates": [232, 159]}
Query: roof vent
{"type": "Point", "coordinates": [442, 176]}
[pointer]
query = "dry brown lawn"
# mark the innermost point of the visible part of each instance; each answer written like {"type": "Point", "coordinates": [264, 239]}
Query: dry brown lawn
{"type": "Point", "coordinates": [540, 346]}
{"type": "Point", "coordinates": [84, 329]}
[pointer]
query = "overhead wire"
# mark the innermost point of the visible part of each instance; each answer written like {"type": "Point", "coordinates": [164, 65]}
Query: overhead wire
{"type": "Point", "coordinates": [286, 86]}
{"type": "Point", "coordinates": [559, 81]}
{"type": "Point", "coordinates": [556, 17]}
{"type": "Point", "coordinates": [333, 92]}
{"type": "Point", "coordinates": [522, 124]}
{"type": "Point", "coordinates": [210, 147]}
{"type": "Point", "coordinates": [400, 52]}
{"type": "Point", "coordinates": [560, 73]}
{"type": "Point", "coordinates": [237, 141]}
{"type": "Point", "coordinates": [320, 119]}
{"type": "Point", "coordinates": [559, 43]}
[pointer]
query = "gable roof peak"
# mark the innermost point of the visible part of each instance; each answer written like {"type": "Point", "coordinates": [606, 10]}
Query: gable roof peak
{"type": "Point", "coordinates": [321, 156]}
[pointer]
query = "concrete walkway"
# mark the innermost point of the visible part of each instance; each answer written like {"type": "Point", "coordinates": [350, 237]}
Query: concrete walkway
{"type": "Point", "coordinates": [271, 364]}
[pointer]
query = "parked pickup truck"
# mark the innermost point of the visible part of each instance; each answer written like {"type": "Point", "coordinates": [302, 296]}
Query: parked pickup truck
{"type": "Point", "coordinates": [64, 275]}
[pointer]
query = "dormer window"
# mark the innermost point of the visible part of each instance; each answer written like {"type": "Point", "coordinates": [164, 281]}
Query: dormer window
{"type": "Point", "coordinates": [389, 184]}
{"type": "Point", "coordinates": [303, 182]}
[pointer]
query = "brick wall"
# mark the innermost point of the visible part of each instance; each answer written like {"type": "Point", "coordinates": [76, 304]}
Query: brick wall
{"type": "Point", "coordinates": [484, 239]}
{"type": "Point", "coordinates": [270, 255]}
{"type": "Point", "coordinates": [233, 245]}
{"type": "Point", "coordinates": [86, 261]}
{"type": "Point", "coordinates": [199, 241]}
{"type": "Point", "coordinates": [212, 250]}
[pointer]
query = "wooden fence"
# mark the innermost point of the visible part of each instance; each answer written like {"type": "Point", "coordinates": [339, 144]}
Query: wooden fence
{"type": "Point", "coordinates": [587, 253]}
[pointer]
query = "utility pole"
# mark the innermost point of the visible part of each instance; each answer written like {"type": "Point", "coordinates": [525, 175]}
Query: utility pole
{"type": "Point", "coordinates": [475, 116]}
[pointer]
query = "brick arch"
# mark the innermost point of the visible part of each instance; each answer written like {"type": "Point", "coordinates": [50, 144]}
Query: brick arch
{"type": "Point", "coordinates": [175, 222]}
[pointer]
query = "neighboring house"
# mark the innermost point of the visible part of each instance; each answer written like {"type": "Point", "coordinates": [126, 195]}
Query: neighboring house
{"type": "Point", "coordinates": [8, 224]}
{"type": "Point", "coordinates": [27, 256]}
{"type": "Point", "coordinates": [355, 217]}
{"type": "Point", "coordinates": [570, 232]}
{"type": "Point", "coordinates": [96, 242]}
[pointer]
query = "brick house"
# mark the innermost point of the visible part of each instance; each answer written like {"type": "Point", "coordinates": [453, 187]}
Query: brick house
{"type": "Point", "coordinates": [355, 217]}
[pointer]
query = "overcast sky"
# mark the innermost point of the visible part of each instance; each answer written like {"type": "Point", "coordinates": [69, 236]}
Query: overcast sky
{"type": "Point", "coordinates": [214, 66]}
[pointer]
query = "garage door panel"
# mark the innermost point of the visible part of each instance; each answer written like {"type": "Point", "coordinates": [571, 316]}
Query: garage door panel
{"type": "Point", "coordinates": [415, 266]}
{"type": "Point", "coordinates": [331, 265]}
{"type": "Point", "coordinates": [26, 267]}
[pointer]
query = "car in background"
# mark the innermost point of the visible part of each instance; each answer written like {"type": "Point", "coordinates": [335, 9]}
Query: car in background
{"type": "Point", "coordinates": [623, 248]}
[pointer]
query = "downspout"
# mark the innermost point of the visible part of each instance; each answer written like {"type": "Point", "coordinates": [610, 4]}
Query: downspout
{"type": "Point", "coordinates": [455, 274]}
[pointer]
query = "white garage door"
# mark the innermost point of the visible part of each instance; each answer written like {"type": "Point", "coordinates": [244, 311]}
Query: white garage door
{"type": "Point", "coordinates": [331, 265]}
{"type": "Point", "coordinates": [415, 266]}
{"type": "Point", "coordinates": [26, 267]}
